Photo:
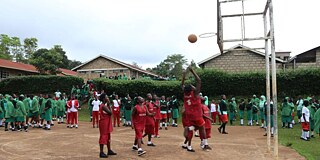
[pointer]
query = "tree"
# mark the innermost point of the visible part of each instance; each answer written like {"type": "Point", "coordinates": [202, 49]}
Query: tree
{"type": "Point", "coordinates": [46, 61]}
{"type": "Point", "coordinates": [5, 42]}
{"type": "Point", "coordinates": [171, 66]}
{"type": "Point", "coordinates": [30, 46]}
{"type": "Point", "coordinates": [65, 60]}
{"type": "Point", "coordinates": [16, 50]}
{"type": "Point", "coordinates": [136, 65]}
{"type": "Point", "coordinates": [73, 64]}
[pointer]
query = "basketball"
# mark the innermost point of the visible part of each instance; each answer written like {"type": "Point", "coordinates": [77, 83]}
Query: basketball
{"type": "Point", "coordinates": [192, 38]}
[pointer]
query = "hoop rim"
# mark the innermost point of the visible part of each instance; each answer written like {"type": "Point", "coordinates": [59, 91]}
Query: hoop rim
{"type": "Point", "coordinates": [207, 35]}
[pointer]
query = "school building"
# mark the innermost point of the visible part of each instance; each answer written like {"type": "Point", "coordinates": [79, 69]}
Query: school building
{"type": "Point", "coordinates": [244, 59]}
{"type": "Point", "coordinates": [11, 69]}
{"type": "Point", "coordinates": [104, 66]}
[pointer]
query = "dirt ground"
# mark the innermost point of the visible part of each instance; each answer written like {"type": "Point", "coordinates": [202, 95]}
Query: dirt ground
{"type": "Point", "coordinates": [82, 143]}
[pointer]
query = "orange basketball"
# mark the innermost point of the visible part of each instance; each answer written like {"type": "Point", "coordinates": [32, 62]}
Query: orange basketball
{"type": "Point", "coordinates": [192, 38]}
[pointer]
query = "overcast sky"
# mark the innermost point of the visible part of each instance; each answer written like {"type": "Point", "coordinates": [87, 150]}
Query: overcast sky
{"type": "Point", "coordinates": [147, 31]}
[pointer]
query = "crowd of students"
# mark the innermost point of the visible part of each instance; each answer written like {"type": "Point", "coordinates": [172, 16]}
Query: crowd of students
{"type": "Point", "coordinates": [24, 111]}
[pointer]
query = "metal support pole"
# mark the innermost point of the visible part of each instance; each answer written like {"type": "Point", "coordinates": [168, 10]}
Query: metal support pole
{"type": "Point", "coordinates": [267, 83]}
{"type": "Point", "coordinates": [274, 80]}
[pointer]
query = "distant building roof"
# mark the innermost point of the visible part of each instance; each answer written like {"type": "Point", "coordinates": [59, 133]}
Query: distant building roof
{"type": "Point", "coordinates": [30, 68]}
{"type": "Point", "coordinates": [118, 62]}
{"type": "Point", "coordinates": [236, 47]}
{"type": "Point", "coordinates": [18, 66]}
{"type": "Point", "coordinates": [304, 58]}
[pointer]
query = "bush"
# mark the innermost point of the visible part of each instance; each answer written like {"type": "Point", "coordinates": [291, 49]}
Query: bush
{"type": "Point", "coordinates": [292, 83]}
{"type": "Point", "coordinates": [39, 84]}
{"type": "Point", "coordinates": [215, 83]}
{"type": "Point", "coordinates": [141, 87]}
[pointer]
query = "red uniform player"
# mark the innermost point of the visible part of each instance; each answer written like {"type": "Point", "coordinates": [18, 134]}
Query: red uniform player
{"type": "Point", "coordinates": [105, 127]}
{"type": "Point", "coordinates": [156, 108]}
{"type": "Point", "coordinates": [150, 120]}
{"type": "Point", "coordinates": [193, 107]}
{"type": "Point", "coordinates": [139, 113]}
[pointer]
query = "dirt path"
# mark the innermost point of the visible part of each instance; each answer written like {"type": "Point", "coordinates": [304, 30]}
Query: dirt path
{"type": "Point", "coordinates": [62, 143]}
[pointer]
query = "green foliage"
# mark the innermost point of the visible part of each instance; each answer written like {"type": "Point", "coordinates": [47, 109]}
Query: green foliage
{"type": "Point", "coordinates": [46, 61]}
{"type": "Point", "coordinates": [141, 87]}
{"type": "Point", "coordinates": [291, 83]}
{"type": "Point", "coordinates": [39, 84]}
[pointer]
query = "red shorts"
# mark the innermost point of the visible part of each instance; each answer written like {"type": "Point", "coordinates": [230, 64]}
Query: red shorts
{"type": "Point", "coordinates": [105, 138]}
{"type": "Point", "coordinates": [224, 118]}
{"type": "Point", "coordinates": [138, 132]}
{"type": "Point", "coordinates": [185, 122]}
{"type": "Point", "coordinates": [163, 116]}
{"type": "Point", "coordinates": [197, 123]}
{"type": "Point", "coordinates": [149, 129]}
{"type": "Point", "coordinates": [305, 126]}
{"type": "Point", "coordinates": [169, 115]}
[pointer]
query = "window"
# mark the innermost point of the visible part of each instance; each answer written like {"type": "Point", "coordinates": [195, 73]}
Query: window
{"type": "Point", "coordinates": [82, 72]}
{"type": "Point", "coordinates": [4, 74]}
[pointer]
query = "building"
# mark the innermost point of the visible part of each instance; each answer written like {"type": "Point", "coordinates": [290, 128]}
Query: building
{"type": "Point", "coordinates": [104, 66]}
{"type": "Point", "coordinates": [12, 69]}
{"type": "Point", "coordinates": [240, 59]}
{"type": "Point", "coordinates": [307, 59]}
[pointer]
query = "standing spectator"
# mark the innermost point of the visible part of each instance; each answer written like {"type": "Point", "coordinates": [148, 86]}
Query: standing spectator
{"type": "Point", "coordinates": [73, 106]}
{"type": "Point", "coordinates": [116, 111]}
{"type": "Point", "coordinates": [242, 106]}
{"type": "Point", "coordinates": [95, 111]}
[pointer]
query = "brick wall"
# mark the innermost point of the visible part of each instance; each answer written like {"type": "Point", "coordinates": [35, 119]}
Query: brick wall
{"type": "Point", "coordinates": [100, 63]}
{"type": "Point", "coordinates": [13, 72]}
{"type": "Point", "coordinates": [239, 61]}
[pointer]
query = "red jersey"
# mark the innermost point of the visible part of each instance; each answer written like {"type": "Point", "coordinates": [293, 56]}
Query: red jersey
{"type": "Point", "coordinates": [150, 119]}
{"type": "Point", "coordinates": [105, 120]}
{"type": "Point", "coordinates": [139, 120]}
{"type": "Point", "coordinates": [206, 112]}
{"type": "Point", "coordinates": [157, 110]}
{"type": "Point", "coordinates": [192, 106]}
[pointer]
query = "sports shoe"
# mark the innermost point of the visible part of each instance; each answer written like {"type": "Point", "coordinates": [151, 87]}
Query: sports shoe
{"type": "Point", "coordinates": [151, 145]}
{"type": "Point", "coordinates": [224, 132]}
{"type": "Point", "coordinates": [103, 155]}
{"type": "Point", "coordinates": [219, 129]}
{"type": "Point", "coordinates": [6, 129]}
{"type": "Point", "coordinates": [190, 150]}
{"type": "Point", "coordinates": [207, 147]}
{"type": "Point", "coordinates": [134, 148]}
{"type": "Point", "coordinates": [160, 128]}
{"type": "Point", "coordinates": [184, 147]}
{"type": "Point", "coordinates": [166, 128]}
{"type": "Point", "coordinates": [111, 153]}
{"type": "Point", "coordinates": [76, 126]}
{"type": "Point", "coordinates": [140, 153]}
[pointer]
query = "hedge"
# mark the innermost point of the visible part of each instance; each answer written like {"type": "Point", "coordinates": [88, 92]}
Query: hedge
{"type": "Point", "coordinates": [215, 83]}
{"type": "Point", "coordinates": [39, 84]}
{"type": "Point", "coordinates": [140, 87]}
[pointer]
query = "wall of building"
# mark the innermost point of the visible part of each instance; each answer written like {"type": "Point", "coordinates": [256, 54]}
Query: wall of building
{"type": "Point", "coordinates": [5, 73]}
{"type": "Point", "coordinates": [305, 65]}
{"type": "Point", "coordinates": [238, 61]}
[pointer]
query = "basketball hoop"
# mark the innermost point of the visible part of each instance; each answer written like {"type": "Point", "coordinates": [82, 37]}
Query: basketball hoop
{"type": "Point", "coordinates": [207, 35]}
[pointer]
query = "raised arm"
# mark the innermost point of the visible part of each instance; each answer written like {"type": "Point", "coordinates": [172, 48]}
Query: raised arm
{"type": "Point", "coordinates": [198, 81]}
{"type": "Point", "coordinates": [184, 72]}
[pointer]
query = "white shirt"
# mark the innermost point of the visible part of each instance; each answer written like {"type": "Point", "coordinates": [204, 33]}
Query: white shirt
{"type": "Point", "coordinates": [306, 113]}
{"type": "Point", "coordinates": [57, 94]}
{"type": "Point", "coordinates": [73, 108]}
{"type": "Point", "coordinates": [96, 105]}
{"type": "Point", "coordinates": [213, 107]}
{"type": "Point", "coordinates": [115, 103]}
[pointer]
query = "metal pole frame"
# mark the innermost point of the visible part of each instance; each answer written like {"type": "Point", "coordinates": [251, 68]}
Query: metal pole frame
{"type": "Point", "coordinates": [268, 35]}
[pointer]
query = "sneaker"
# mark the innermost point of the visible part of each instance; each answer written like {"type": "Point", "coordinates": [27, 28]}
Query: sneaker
{"type": "Point", "coordinates": [6, 129]}
{"type": "Point", "coordinates": [159, 136]}
{"type": "Point", "coordinates": [265, 134]}
{"type": "Point", "coordinates": [140, 153]}
{"type": "Point", "coordinates": [166, 128]}
{"type": "Point", "coordinates": [71, 126]}
{"type": "Point", "coordinates": [219, 129]}
{"type": "Point", "coordinates": [190, 150]}
{"type": "Point", "coordinates": [196, 135]}
{"type": "Point", "coordinates": [111, 153]}
{"type": "Point", "coordinates": [184, 147]}
{"type": "Point", "coordinates": [67, 126]}
{"type": "Point", "coordinates": [103, 155]}
{"type": "Point", "coordinates": [76, 126]}
{"type": "Point", "coordinates": [224, 132]}
{"type": "Point", "coordinates": [312, 136]}
{"type": "Point", "coordinates": [151, 145]}
{"type": "Point", "coordinates": [206, 147]}
{"type": "Point", "coordinates": [59, 122]}
{"type": "Point", "coordinates": [160, 128]}
{"type": "Point", "coordinates": [134, 148]}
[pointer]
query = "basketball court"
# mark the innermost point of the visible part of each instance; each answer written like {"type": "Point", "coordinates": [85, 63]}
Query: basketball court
{"type": "Point", "coordinates": [242, 142]}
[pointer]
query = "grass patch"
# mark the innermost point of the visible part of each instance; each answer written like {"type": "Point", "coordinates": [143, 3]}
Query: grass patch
{"type": "Point", "coordinates": [291, 138]}
{"type": "Point", "coordinates": [84, 114]}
